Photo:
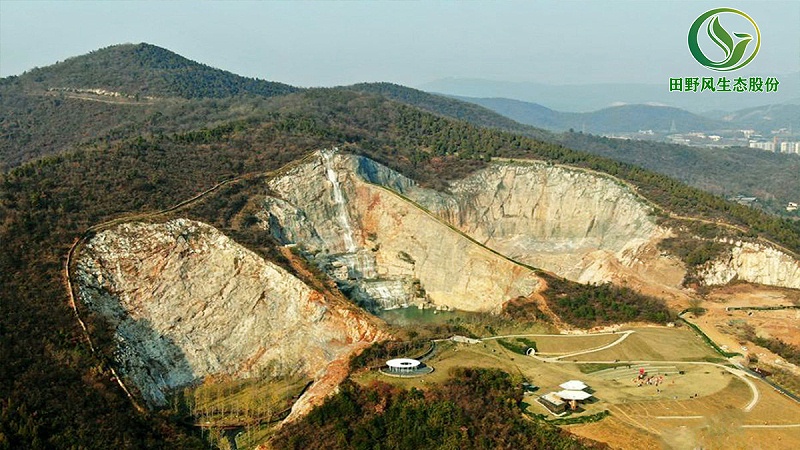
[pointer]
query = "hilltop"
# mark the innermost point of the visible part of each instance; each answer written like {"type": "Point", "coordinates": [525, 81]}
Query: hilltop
{"type": "Point", "coordinates": [145, 70]}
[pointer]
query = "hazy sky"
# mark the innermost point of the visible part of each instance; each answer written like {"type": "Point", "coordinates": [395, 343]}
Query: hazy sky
{"type": "Point", "coordinates": [333, 43]}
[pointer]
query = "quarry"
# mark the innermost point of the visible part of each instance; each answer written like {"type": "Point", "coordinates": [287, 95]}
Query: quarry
{"type": "Point", "coordinates": [186, 303]}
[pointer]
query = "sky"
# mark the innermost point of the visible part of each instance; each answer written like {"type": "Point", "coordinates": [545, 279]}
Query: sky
{"type": "Point", "coordinates": [411, 43]}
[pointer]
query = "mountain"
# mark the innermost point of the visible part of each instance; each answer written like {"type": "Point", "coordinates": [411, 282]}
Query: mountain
{"type": "Point", "coordinates": [524, 112]}
{"type": "Point", "coordinates": [207, 255]}
{"type": "Point", "coordinates": [461, 109]}
{"type": "Point", "coordinates": [144, 70]}
{"type": "Point", "coordinates": [591, 97]}
{"type": "Point", "coordinates": [116, 91]}
{"type": "Point", "coordinates": [616, 119]}
{"type": "Point", "coordinates": [764, 119]}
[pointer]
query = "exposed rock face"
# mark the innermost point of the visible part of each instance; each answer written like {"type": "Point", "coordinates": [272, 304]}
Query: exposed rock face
{"type": "Point", "coordinates": [583, 226]}
{"type": "Point", "coordinates": [755, 263]}
{"type": "Point", "coordinates": [549, 216]}
{"type": "Point", "coordinates": [399, 250]}
{"type": "Point", "coordinates": [186, 302]}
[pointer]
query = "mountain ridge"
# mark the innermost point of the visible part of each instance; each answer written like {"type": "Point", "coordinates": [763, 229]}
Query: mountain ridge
{"type": "Point", "coordinates": [637, 117]}
{"type": "Point", "coordinates": [589, 97]}
{"type": "Point", "coordinates": [146, 70]}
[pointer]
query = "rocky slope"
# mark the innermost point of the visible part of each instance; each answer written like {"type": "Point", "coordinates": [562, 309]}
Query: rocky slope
{"type": "Point", "coordinates": [186, 302]}
{"type": "Point", "coordinates": [384, 250]}
{"type": "Point", "coordinates": [562, 220]}
{"type": "Point", "coordinates": [576, 224]}
{"type": "Point", "coordinates": [585, 226]}
{"type": "Point", "coordinates": [755, 263]}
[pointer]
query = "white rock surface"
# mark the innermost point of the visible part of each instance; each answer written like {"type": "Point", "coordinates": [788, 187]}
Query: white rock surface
{"type": "Point", "coordinates": [185, 302]}
{"type": "Point", "coordinates": [405, 243]}
{"type": "Point", "coordinates": [755, 263]}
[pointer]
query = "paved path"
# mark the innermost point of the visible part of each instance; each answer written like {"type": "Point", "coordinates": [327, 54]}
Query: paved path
{"type": "Point", "coordinates": [624, 336]}
{"type": "Point", "coordinates": [507, 336]}
{"type": "Point", "coordinates": [679, 417]}
{"type": "Point", "coordinates": [789, 425]}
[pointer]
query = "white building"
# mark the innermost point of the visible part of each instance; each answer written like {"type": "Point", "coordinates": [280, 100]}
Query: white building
{"type": "Point", "coordinates": [768, 146]}
{"type": "Point", "coordinates": [790, 147]}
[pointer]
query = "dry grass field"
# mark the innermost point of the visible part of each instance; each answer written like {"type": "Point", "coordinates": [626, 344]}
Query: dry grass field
{"type": "Point", "coordinates": [656, 344]}
{"type": "Point", "coordinates": [562, 344]}
{"type": "Point", "coordinates": [699, 404]}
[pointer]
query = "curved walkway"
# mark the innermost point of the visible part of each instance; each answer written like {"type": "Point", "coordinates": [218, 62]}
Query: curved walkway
{"type": "Point", "coordinates": [507, 336]}
{"type": "Point", "coordinates": [624, 336]}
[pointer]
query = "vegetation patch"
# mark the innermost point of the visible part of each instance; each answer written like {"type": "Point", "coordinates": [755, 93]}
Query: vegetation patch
{"type": "Point", "coordinates": [789, 352]}
{"type": "Point", "coordinates": [596, 367]}
{"type": "Point", "coordinates": [378, 353]}
{"type": "Point", "coordinates": [475, 408]}
{"type": "Point", "coordinates": [586, 305]}
{"type": "Point", "coordinates": [589, 418]}
{"type": "Point", "coordinates": [517, 345]}
{"type": "Point", "coordinates": [242, 405]}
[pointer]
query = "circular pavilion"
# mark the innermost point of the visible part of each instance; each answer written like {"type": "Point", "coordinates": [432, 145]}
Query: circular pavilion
{"type": "Point", "coordinates": [573, 385]}
{"type": "Point", "coordinates": [402, 365]}
{"type": "Point", "coordinates": [405, 367]}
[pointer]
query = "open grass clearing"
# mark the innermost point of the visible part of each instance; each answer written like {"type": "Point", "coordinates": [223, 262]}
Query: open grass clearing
{"type": "Point", "coordinates": [654, 344]}
{"type": "Point", "coordinates": [694, 408]}
{"type": "Point", "coordinates": [563, 344]}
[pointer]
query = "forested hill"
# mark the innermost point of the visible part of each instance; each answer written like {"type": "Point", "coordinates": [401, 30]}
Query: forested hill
{"type": "Point", "coordinates": [615, 119]}
{"type": "Point", "coordinates": [113, 93]}
{"type": "Point", "coordinates": [773, 178]}
{"type": "Point", "coordinates": [449, 107]}
{"type": "Point", "coordinates": [145, 70]}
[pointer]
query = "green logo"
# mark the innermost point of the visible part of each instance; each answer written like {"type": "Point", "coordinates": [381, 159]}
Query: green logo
{"type": "Point", "coordinates": [735, 51]}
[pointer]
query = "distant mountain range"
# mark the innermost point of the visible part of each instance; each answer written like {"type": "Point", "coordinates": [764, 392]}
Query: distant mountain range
{"type": "Point", "coordinates": [771, 117]}
{"type": "Point", "coordinates": [632, 118]}
{"type": "Point", "coordinates": [592, 97]}
{"type": "Point", "coordinates": [624, 118]}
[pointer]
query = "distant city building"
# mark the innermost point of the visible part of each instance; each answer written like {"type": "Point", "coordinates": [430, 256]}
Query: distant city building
{"type": "Point", "coordinates": [768, 146]}
{"type": "Point", "coordinates": [790, 147]}
{"type": "Point", "coordinates": [742, 200]}
{"type": "Point", "coordinates": [748, 133]}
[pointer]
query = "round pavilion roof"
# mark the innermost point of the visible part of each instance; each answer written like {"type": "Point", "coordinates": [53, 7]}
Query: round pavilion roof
{"type": "Point", "coordinates": [403, 363]}
{"type": "Point", "coordinates": [573, 395]}
{"type": "Point", "coordinates": [573, 385]}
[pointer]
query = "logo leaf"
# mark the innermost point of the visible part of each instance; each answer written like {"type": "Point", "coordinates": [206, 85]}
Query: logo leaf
{"type": "Point", "coordinates": [720, 36]}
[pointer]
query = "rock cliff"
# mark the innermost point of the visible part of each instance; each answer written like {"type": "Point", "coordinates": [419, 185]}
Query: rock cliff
{"type": "Point", "coordinates": [580, 225]}
{"type": "Point", "coordinates": [186, 302]}
{"type": "Point", "coordinates": [755, 263]}
{"type": "Point", "coordinates": [560, 219]}
{"type": "Point", "coordinates": [381, 247]}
